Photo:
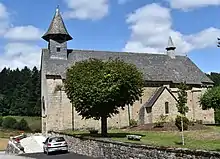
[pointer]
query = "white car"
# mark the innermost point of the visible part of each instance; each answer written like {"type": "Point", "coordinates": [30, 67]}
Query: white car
{"type": "Point", "coordinates": [53, 144]}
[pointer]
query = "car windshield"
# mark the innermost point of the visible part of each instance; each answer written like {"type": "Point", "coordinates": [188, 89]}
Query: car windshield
{"type": "Point", "coordinates": [57, 139]}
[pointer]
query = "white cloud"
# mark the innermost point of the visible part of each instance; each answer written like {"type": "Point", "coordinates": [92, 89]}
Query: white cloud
{"type": "Point", "coordinates": [191, 4]}
{"type": "Point", "coordinates": [23, 33]}
{"type": "Point", "coordinates": [151, 25]}
{"type": "Point", "coordinates": [20, 55]}
{"type": "Point", "coordinates": [4, 19]}
{"type": "Point", "coordinates": [86, 9]}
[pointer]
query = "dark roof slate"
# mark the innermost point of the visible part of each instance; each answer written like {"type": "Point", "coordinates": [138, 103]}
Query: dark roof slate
{"type": "Point", "coordinates": [57, 29]}
{"type": "Point", "coordinates": [155, 67]}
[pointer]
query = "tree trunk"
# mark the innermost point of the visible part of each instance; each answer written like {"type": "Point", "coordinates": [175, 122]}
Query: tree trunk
{"type": "Point", "coordinates": [104, 126]}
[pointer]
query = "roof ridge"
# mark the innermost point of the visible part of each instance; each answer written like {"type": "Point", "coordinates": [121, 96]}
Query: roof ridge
{"type": "Point", "coordinates": [125, 52]}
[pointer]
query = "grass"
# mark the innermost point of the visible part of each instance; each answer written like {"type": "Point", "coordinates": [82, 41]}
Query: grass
{"type": "Point", "coordinates": [3, 144]}
{"type": "Point", "coordinates": [6, 133]}
{"type": "Point", "coordinates": [201, 139]}
{"type": "Point", "coordinates": [33, 122]}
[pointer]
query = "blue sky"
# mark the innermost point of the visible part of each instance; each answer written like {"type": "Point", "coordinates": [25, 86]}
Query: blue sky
{"type": "Point", "coordinates": [115, 25]}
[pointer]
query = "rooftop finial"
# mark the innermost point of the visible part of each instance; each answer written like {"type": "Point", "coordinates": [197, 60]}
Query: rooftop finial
{"type": "Point", "coordinates": [58, 8]}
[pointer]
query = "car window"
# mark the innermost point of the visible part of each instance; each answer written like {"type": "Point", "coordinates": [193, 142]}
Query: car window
{"type": "Point", "coordinates": [46, 140]}
{"type": "Point", "coordinates": [57, 139]}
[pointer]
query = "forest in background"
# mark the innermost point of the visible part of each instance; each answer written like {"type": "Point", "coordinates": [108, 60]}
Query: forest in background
{"type": "Point", "coordinates": [20, 92]}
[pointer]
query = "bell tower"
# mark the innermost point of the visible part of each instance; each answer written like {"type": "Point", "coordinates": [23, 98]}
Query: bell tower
{"type": "Point", "coordinates": [57, 37]}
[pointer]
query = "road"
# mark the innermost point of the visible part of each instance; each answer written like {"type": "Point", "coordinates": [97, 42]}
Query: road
{"type": "Point", "coordinates": [56, 156]}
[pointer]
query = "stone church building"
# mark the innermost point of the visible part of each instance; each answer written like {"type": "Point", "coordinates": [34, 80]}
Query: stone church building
{"type": "Point", "coordinates": [162, 73]}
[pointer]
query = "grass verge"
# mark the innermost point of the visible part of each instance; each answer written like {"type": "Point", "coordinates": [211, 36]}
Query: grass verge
{"type": "Point", "coordinates": [33, 122]}
{"type": "Point", "coordinates": [199, 139]}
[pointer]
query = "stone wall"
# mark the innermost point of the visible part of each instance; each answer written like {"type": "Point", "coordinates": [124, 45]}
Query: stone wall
{"type": "Point", "coordinates": [14, 148]}
{"type": "Point", "coordinates": [158, 108]}
{"type": "Point", "coordinates": [107, 149]}
{"type": "Point", "coordinates": [60, 115]}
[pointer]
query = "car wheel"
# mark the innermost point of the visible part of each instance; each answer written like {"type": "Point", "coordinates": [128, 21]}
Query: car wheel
{"type": "Point", "coordinates": [48, 153]}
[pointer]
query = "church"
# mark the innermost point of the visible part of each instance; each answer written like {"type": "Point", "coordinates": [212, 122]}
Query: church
{"type": "Point", "coordinates": [162, 74]}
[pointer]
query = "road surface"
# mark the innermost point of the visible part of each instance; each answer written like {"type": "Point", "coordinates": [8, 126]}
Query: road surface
{"type": "Point", "coordinates": [55, 156]}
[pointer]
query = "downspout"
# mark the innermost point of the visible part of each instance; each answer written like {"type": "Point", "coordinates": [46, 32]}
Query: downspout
{"type": "Point", "coordinates": [129, 115]}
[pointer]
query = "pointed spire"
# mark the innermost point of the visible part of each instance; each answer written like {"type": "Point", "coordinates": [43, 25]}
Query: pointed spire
{"type": "Point", "coordinates": [171, 48]}
{"type": "Point", "coordinates": [170, 45]}
{"type": "Point", "coordinates": [57, 29]}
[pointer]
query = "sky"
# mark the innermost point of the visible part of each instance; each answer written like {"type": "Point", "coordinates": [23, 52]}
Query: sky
{"type": "Point", "coordinates": [142, 26]}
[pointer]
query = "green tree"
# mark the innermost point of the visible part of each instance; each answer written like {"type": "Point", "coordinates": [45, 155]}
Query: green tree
{"type": "Point", "coordinates": [182, 106]}
{"type": "Point", "coordinates": [23, 125]}
{"type": "Point", "coordinates": [215, 77]}
{"type": "Point", "coordinates": [20, 92]}
{"type": "Point", "coordinates": [99, 89]}
{"type": "Point", "coordinates": [182, 99]}
{"type": "Point", "coordinates": [211, 98]}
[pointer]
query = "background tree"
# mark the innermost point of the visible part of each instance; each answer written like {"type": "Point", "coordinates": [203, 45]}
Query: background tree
{"type": "Point", "coordinates": [20, 92]}
{"type": "Point", "coordinates": [215, 77]}
{"type": "Point", "coordinates": [99, 89]}
{"type": "Point", "coordinates": [211, 98]}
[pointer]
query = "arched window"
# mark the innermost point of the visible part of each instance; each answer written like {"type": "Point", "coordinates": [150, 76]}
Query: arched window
{"type": "Point", "coordinates": [166, 107]}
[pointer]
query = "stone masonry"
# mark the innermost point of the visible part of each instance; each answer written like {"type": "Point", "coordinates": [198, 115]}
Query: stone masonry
{"type": "Point", "coordinates": [117, 150]}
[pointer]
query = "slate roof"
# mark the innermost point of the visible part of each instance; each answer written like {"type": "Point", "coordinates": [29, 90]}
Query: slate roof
{"type": "Point", "coordinates": [57, 29]}
{"type": "Point", "coordinates": [156, 95]}
{"type": "Point", "coordinates": [155, 67]}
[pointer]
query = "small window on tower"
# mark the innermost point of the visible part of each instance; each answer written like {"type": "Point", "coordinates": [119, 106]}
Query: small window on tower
{"type": "Point", "coordinates": [58, 49]}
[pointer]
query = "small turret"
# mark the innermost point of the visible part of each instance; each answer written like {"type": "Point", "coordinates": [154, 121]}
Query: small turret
{"type": "Point", "coordinates": [57, 36]}
{"type": "Point", "coordinates": [171, 48]}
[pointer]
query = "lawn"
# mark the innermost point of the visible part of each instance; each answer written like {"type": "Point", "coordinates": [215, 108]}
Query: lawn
{"type": "Point", "coordinates": [33, 122]}
{"type": "Point", "coordinates": [198, 139]}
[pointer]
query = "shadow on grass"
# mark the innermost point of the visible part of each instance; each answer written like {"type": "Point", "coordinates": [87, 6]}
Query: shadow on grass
{"type": "Point", "coordinates": [178, 143]}
{"type": "Point", "coordinates": [110, 135]}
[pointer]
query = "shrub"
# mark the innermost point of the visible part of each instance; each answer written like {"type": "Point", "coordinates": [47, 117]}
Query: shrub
{"type": "Point", "coordinates": [162, 120]}
{"type": "Point", "coordinates": [22, 125]}
{"type": "Point", "coordinates": [199, 122]}
{"type": "Point", "coordinates": [9, 122]}
{"type": "Point", "coordinates": [185, 123]}
{"type": "Point", "coordinates": [133, 122]}
{"type": "Point", "coordinates": [1, 120]}
{"type": "Point", "coordinates": [37, 130]}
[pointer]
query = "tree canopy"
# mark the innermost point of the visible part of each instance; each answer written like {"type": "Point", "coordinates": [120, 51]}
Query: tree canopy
{"type": "Point", "coordinates": [20, 92]}
{"type": "Point", "coordinates": [99, 88]}
{"type": "Point", "coordinates": [211, 98]}
{"type": "Point", "coordinates": [215, 77]}
{"type": "Point", "coordinates": [182, 99]}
